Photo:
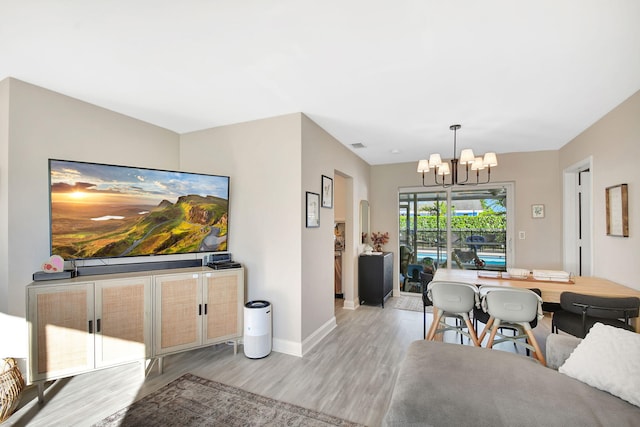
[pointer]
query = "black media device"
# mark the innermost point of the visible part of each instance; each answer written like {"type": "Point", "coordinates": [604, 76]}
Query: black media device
{"type": "Point", "coordinates": [222, 262]}
{"type": "Point", "coordinates": [219, 258]}
{"type": "Point", "coordinates": [224, 265]}
{"type": "Point", "coordinates": [41, 275]}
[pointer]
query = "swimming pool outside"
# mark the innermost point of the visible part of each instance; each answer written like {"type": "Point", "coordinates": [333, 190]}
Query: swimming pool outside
{"type": "Point", "coordinates": [490, 259]}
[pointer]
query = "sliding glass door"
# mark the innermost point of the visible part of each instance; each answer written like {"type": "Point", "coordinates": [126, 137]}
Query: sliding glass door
{"type": "Point", "coordinates": [455, 228]}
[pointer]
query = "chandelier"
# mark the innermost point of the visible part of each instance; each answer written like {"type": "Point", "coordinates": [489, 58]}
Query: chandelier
{"type": "Point", "coordinates": [467, 158]}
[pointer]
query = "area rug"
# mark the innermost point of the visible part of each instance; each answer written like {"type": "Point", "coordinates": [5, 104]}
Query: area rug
{"type": "Point", "coordinates": [407, 303]}
{"type": "Point", "coordinates": [195, 401]}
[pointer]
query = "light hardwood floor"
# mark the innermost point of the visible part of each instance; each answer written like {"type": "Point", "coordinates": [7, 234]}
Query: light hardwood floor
{"type": "Point", "coordinates": [350, 374]}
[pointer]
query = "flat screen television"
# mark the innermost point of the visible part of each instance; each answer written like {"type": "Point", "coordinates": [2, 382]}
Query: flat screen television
{"type": "Point", "coordinates": [106, 211]}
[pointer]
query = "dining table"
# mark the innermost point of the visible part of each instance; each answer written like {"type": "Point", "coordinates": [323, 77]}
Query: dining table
{"type": "Point", "coordinates": [550, 289]}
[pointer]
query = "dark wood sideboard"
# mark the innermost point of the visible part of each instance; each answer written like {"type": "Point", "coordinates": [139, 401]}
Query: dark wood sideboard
{"type": "Point", "coordinates": [375, 278]}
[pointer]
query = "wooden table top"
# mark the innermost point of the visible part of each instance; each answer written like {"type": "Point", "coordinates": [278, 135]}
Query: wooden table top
{"type": "Point", "coordinates": [550, 290]}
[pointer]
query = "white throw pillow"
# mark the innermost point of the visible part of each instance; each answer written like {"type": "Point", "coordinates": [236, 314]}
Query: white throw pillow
{"type": "Point", "coordinates": [608, 358]}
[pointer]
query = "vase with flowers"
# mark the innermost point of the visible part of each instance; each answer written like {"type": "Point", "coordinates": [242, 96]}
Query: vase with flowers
{"type": "Point", "coordinates": [379, 239]}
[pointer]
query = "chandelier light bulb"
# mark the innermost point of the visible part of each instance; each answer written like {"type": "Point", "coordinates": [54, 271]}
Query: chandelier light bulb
{"type": "Point", "coordinates": [435, 160]}
{"type": "Point", "coordinates": [423, 166]}
{"type": "Point", "coordinates": [443, 169]}
{"type": "Point", "coordinates": [490, 160]}
{"type": "Point", "coordinates": [467, 157]}
{"type": "Point", "coordinates": [477, 164]}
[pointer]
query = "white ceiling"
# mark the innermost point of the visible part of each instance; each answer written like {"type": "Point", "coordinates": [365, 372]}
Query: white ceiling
{"type": "Point", "coordinates": [392, 75]}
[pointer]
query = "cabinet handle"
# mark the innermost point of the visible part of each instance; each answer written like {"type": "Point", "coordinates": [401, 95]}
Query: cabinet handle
{"type": "Point", "coordinates": [90, 326]}
{"type": "Point", "coordinates": [98, 326]}
{"type": "Point", "coordinates": [205, 309]}
{"type": "Point", "coordinates": [199, 309]}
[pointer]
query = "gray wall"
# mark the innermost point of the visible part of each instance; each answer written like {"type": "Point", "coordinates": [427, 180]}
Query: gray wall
{"type": "Point", "coordinates": [614, 143]}
{"type": "Point", "coordinates": [42, 125]}
{"type": "Point", "coordinates": [263, 160]}
{"type": "Point", "coordinates": [272, 163]}
{"type": "Point", "coordinates": [324, 155]}
{"type": "Point", "coordinates": [537, 181]}
{"type": "Point", "coordinates": [4, 194]}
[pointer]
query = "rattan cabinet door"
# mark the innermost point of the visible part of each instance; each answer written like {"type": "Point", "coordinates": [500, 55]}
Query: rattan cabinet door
{"type": "Point", "coordinates": [60, 330]}
{"type": "Point", "coordinates": [178, 312]}
{"type": "Point", "coordinates": [123, 320]}
{"type": "Point", "coordinates": [224, 299]}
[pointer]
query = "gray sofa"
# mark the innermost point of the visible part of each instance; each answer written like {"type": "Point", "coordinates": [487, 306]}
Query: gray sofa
{"type": "Point", "coordinates": [442, 384]}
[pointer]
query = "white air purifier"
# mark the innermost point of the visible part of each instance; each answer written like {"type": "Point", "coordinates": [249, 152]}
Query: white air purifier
{"type": "Point", "coordinates": [257, 329]}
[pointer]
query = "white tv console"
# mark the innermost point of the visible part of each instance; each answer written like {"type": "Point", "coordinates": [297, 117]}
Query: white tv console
{"type": "Point", "coordinates": [91, 322]}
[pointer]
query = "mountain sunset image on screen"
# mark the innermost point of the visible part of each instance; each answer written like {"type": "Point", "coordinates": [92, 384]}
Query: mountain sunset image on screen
{"type": "Point", "coordinates": [103, 211]}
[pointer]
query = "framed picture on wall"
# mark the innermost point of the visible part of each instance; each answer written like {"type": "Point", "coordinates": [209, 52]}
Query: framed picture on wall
{"type": "Point", "coordinates": [537, 211]}
{"type": "Point", "coordinates": [617, 211]}
{"type": "Point", "coordinates": [327, 192]}
{"type": "Point", "coordinates": [313, 210]}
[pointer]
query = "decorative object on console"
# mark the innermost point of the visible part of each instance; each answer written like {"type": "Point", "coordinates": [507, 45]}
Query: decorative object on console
{"type": "Point", "coordinates": [379, 239]}
{"type": "Point", "coordinates": [53, 269]}
{"type": "Point", "coordinates": [327, 192]}
{"type": "Point", "coordinates": [54, 264]}
{"type": "Point", "coordinates": [467, 158]}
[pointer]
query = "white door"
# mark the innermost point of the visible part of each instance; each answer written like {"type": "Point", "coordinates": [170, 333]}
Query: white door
{"type": "Point", "coordinates": [577, 220]}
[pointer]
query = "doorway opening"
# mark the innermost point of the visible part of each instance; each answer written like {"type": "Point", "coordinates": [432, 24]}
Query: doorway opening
{"type": "Point", "coordinates": [577, 221]}
{"type": "Point", "coordinates": [344, 242]}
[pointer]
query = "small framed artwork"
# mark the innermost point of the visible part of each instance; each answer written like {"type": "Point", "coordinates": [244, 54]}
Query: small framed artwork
{"type": "Point", "coordinates": [313, 210]}
{"type": "Point", "coordinates": [327, 192]}
{"type": "Point", "coordinates": [617, 205]}
{"type": "Point", "coordinates": [537, 211]}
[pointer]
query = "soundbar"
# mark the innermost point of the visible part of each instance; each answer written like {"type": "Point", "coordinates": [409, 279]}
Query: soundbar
{"type": "Point", "coordinates": [41, 275]}
{"type": "Point", "coordinates": [139, 266]}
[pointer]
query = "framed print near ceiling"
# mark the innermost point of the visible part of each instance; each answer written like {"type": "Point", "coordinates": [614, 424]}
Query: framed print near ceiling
{"type": "Point", "coordinates": [327, 192]}
{"type": "Point", "coordinates": [617, 206]}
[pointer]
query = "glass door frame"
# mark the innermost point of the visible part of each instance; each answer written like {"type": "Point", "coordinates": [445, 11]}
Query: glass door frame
{"type": "Point", "coordinates": [510, 207]}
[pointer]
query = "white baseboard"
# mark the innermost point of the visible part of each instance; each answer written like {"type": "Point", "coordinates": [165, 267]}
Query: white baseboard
{"type": "Point", "coordinates": [300, 349]}
{"type": "Point", "coordinates": [349, 305]}
{"type": "Point", "coordinates": [287, 347]}
{"type": "Point", "coordinates": [318, 335]}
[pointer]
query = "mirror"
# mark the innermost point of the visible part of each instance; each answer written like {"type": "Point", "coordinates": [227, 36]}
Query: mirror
{"type": "Point", "coordinates": [364, 221]}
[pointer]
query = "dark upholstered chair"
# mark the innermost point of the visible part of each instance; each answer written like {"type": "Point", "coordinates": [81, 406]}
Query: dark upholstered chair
{"type": "Point", "coordinates": [580, 312]}
{"type": "Point", "coordinates": [425, 279]}
{"type": "Point", "coordinates": [475, 242]}
{"type": "Point", "coordinates": [412, 280]}
{"type": "Point", "coordinates": [406, 256]}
